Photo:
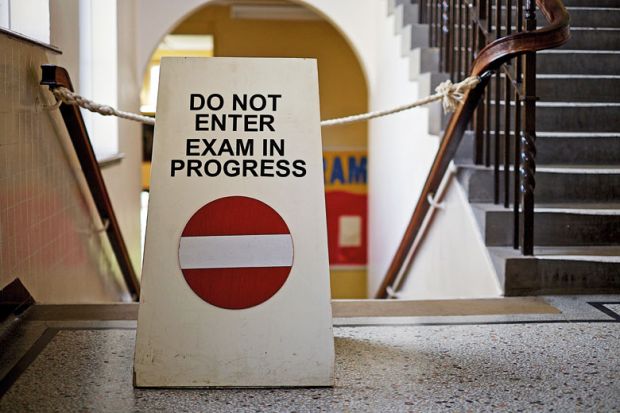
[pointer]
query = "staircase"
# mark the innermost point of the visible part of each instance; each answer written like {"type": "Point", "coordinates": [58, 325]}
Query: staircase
{"type": "Point", "coordinates": [577, 212]}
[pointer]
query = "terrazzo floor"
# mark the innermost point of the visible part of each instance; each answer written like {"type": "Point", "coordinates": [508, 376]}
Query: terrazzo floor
{"type": "Point", "coordinates": [507, 366]}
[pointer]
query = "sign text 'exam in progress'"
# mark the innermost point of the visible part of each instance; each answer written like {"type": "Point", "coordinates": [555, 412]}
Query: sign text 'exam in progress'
{"type": "Point", "coordinates": [202, 155]}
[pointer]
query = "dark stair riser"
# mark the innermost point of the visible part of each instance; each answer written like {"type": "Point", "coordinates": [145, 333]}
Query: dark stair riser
{"type": "Point", "coordinates": [590, 3]}
{"type": "Point", "coordinates": [419, 35]}
{"type": "Point", "coordinates": [578, 63]}
{"type": "Point", "coordinates": [581, 16]}
{"type": "Point", "coordinates": [410, 12]}
{"type": "Point", "coordinates": [598, 39]}
{"type": "Point", "coordinates": [581, 118]}
{"type": "Point", "coordinates": [550, 188]}
{"type": "Point", "coordinates": [578, 89]}
{"type": "Point", "coordinates": [555, 229]}
{"type": "Point", "coordinates": [532, 276]}
{"type": "Point", "coordinates": [562, 89]}
{"type": "Point", "coordinates": [553, 150]}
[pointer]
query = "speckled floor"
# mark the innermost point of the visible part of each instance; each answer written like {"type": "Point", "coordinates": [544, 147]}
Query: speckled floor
{"type": "Point", "coordinates": [511, 366]}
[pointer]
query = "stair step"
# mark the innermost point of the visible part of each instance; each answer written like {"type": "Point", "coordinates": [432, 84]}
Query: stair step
{"type": "Point", "coordinates": [558, 148]}
{"type": "Point", "coordinates": [593, 38]}
{"type": "Point", "coordinates": [418, 36]}
{"type": "Point", "coordinates": [410, 12]}
{"type": "Point", "coordinates": [592, 62]}
{"type": "Point", "coordinates": [553, 184]}
{"type": "Point", "coordinates": [594, 16]}
{"type": "Point", "coordinates": [577, 117]}
{"type": "Point", "coordinates": [423, 60]}
{"type": "Point", "coordinates": [590, 3]}
{"type": "Point", "coordinates": [558, 270]}
{"type": "Point", "coordinates": [580, 16]}
{"type": "Point", "coordinates": [572, 88]}
{"type": "Point", "coordinates": [581, 117]}
{"type": "Point", "coordinates": [581, 225]}
{"type": "Point", "coordinates": [578, 88]}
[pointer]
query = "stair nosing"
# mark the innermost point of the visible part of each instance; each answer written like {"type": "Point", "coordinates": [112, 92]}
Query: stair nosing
{"type": "Point", "coordinates": [575, 76]}
{"type": "Point", "coordinates": [567, 169]}
{"type": "Point", "coordinates": [508, 253]}
{"type": "Point", "coordinates": [578, 51]}
{"type": "Point", "coordinates": [582, 209]}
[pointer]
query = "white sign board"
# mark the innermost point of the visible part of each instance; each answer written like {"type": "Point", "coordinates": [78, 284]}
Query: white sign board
{"type": "Point", "coordinates": [235, 280]}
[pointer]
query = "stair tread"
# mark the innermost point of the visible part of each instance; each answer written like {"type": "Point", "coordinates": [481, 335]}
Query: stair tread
{"type": "Point", "coordinates": [575, 76]}
{"type": "Point", "coordinates": [548, 104]}
{"type": "Point", "coordinates": [569, 8]}
{"type": "Point", "coordinates": [570, 169]}
{"type": "Point", "coordinates": [584, 8]}
{"type": "Point", "coordinates": [576, 135]}
{"type": "Point", "coordinates": [574, 51]}
{"type": "Point", "coordinates": [583, 28]}
{"type": "Point", "coordinates": [573, 253]}
{"type": "Point", "coordinates": [606, 209]}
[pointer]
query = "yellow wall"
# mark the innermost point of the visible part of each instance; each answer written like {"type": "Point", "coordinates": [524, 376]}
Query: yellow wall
{"type": "Point", "coordinates": [341, 82]}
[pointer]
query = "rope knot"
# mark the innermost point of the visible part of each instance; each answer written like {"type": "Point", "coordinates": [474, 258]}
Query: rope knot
{"type": "Point", "coordinates": [453, 93]}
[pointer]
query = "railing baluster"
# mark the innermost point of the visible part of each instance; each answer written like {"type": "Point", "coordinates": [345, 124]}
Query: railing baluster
{"type": "Point", "coordinates": [442, 36]}
{"type": "Point", "coordinates": [517, 140]}
{"type": "Point", "coordinates": [438, 25]}
{"type": "Point", "coordinates": [496, 111]}
{"type": "Point", "coordinates": [459, 39]}
{"type": "Point", "coordinates": [507, 108]}
{"type": "Point", "coordinates": [517, 153]}
{"type": "Point", "coordinates": [450, 45]}
{"type": "Point", "coordinates": [487, 126]}
{"type": "Point", "coordinates": [468, 37]}
{"type": "Point", "coordinates": [431, 23]}
{"type": "Point", "coordinates": [528, 141]}
{"type": "Point", "coordinates": [488, 15]}
{"type": "Point", "coordinates": [496, 118]}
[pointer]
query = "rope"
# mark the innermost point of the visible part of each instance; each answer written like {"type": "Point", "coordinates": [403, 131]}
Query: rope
{"type": "Point", "coordinates": [71, 98]}
{"type": "Point", "coordinates": [450, 94]}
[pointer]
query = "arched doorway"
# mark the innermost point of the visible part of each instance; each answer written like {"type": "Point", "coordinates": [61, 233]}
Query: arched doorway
{"type": "Point", "coordinates": [288, 29]}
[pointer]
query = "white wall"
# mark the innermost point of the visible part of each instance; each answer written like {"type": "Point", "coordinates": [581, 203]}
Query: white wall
{"type": "Point", "coordinates": [122, 178]}
{"type": "Point", "coordinates": [98, 64]}
{"type": "Point", "coordinates": [453, 261]}
{"type": "Point", "coordinates": [400, 151]}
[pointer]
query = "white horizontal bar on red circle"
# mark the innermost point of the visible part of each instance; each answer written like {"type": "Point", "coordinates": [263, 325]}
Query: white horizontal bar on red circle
{"type": "Point", "coordinates": [236, 251]}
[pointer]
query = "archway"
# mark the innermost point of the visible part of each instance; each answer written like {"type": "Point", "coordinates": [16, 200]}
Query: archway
{"type": "Point", "coordinates": [288, 29]}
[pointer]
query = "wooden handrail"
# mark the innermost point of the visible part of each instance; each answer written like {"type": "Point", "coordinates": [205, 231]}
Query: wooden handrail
{"type": "Point", "coordinates": [55, 76]}
{"type": "Point", "coordinates": [490, 58]}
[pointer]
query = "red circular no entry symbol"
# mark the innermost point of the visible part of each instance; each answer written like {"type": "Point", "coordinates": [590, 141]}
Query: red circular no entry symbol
{"type": "Point", "coordinates": [236, 252]}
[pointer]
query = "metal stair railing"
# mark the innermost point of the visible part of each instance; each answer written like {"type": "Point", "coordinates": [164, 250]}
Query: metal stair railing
{"type": "Point", "coordinates": [55, 76]}
{"type": "Point", "coordinates": [496, 40]}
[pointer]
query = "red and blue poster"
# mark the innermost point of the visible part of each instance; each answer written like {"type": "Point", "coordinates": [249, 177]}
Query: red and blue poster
{"type": "Point", "coordinates": [346, 181]}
